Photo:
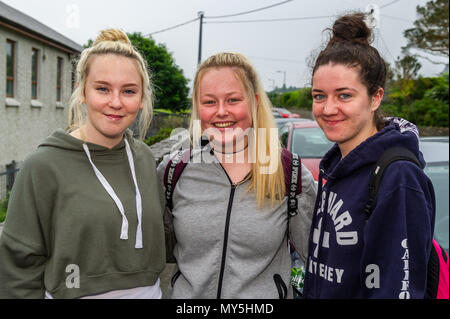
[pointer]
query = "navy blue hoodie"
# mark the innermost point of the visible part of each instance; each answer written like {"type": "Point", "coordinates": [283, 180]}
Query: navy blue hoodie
{"type": "Point", "coordinates": [386, 255]}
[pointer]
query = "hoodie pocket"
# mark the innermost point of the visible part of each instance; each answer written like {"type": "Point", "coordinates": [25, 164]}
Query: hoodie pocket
{"type": "Point", "coordinates": [281, 286]}
{"type": "Point", "coordinates": [174, 278]}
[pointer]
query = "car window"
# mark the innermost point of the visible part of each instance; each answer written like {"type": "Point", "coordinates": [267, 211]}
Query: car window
{"type": "Point", "coordinates": [310, 142]}
{"type": "Point", "coordinates": [438, 174]}
{"type": "Point", "coordinates": [284, 134]}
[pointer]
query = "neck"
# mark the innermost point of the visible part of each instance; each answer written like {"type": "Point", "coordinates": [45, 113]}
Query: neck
{"type": "Point", "coordinates": [348, 146]}
{"type": "Point", "coordinates": [85, 134]}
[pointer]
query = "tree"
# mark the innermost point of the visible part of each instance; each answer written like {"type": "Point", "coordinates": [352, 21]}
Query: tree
{"type": "Point", "coordinates": [407, 67]}
{"type": "Point", "coordinates": [169, 84]}
{"type": "Point", "coordinates": [431, 30]}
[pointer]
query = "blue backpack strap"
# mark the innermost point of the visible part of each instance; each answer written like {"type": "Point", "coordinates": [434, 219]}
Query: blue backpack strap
{"type": "Point", "coordinates": [389, 156]}
{"type": "Point", "coordinates": [174, 168]}
{"type": "Point", "coordinates": [292, 179]}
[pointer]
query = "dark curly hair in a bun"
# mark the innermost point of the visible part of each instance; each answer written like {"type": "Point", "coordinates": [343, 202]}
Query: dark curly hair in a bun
{"type": "Point", "coordinates": [350, 46]}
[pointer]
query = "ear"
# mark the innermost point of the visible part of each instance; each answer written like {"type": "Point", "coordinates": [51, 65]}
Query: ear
{"type": "Point", "coordinates": [376, 99]}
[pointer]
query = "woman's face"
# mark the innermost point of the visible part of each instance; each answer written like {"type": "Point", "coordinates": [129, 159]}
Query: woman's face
{"type": "Point", "coordinates": [342, 106]}
{"type": "Point", "coordinates": [113, 97]}
{"type": "Point", "coordinates": [224, 107]}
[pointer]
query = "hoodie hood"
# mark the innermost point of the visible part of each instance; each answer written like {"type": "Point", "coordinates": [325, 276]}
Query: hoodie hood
{"type": "Point", "coordinates": [397, 132]}
{"type": "Point", "coordinates": [63, 140]}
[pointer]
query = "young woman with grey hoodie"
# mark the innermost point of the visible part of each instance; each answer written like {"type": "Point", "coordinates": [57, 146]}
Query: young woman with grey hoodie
{"type": "Point", "coordinates": [229, 205]}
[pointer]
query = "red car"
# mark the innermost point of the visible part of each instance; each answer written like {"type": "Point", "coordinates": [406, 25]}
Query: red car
{"type": "Point", "coordinates": [281, 112]}
{"type": "Point", "coordinates": [307, 140]}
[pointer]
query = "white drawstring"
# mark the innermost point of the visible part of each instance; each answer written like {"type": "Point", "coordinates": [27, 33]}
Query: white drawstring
{"type": "Point", "coordinates": [109, 189]}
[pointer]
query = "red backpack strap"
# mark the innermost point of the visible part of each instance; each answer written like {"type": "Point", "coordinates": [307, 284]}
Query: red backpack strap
{"type": "Point", "coordinates": [292, 178]}
{"type": "Point", "coordinates": [174, 168]}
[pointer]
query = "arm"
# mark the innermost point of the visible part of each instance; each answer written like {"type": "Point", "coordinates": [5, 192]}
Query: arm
{"type": "Point", "coordinates": [398, 235]}
{"type": "Point", "coordinates": [169, 232]}
{"type": "Point", "coordinates": [22, 248]}
{"type": "Point", "coordinates": [300, 225]}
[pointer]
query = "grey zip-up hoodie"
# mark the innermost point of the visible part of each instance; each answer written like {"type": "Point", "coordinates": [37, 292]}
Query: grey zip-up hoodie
{"type": "Point", "coordinates": [227, 247]}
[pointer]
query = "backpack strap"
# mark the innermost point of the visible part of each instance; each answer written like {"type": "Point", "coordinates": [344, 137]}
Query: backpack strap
{"type": "Point", "coordinates": [174, 168]}
{"type": "Point", "coordinates": [390, 155]}
{"type": "Point", "coordinates": [292, 179]}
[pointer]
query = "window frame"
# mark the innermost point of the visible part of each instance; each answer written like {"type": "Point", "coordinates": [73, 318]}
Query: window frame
{"type": "Point", "coordinates": [59, 77]}
{"type": "Point", "coordinates": [36, 81]}
{"type": "Point", "coordinates": [13, 68]}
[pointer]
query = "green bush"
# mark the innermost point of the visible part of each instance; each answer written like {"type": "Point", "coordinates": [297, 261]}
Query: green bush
{"type": "Point", "coordinates": [305, 98]}
{"type": "Point", "coordinates": [162, 134]}
{"type": "Point", "coordinates": [4, 207]}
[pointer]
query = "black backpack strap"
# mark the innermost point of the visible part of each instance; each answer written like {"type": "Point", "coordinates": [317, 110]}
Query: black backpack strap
{"type": "Point", "coordinates": [390, 155]}
{"type": "Point", "coordinates": [292, 179]}
{"type": "Point", "coordinates": [174, 168]}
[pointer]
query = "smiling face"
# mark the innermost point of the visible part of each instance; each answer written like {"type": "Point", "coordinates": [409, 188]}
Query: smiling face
{"type": "Point", "coordinates": [224, 106]}
{"type": "Point", "coordinates": [113, 97]}
{"type": "Point", "coordinates": [342, 106]}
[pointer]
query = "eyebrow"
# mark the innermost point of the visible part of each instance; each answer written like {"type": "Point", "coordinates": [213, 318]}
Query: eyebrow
{"type": "Point", "coordinates": [337, 90]}
{"type": "Point", "coordinates": [107, 83]}
{"type": "Point", "coordinates": [230, 93]}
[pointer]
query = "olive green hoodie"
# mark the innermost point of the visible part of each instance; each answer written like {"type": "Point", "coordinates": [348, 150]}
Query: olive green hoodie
{"type": "Point", "coordinates": [61, 222]}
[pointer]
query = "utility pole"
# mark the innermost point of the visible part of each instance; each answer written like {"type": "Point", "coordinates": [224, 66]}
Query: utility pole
{"type": "Point", "coordinates": [284, 78]}
{"type": "Point", "coordinates": [200, 14]}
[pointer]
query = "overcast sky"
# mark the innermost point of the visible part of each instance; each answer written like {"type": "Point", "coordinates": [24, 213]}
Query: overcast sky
{"type": "Point", "coordinates": [272, 46]}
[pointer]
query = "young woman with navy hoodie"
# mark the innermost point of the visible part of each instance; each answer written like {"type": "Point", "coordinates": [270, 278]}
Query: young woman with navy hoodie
{"type": "Point", "coordinates": [352, 255]}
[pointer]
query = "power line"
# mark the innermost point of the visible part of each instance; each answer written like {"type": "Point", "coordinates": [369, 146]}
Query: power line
{"type": "Point", "coordinates": [246, 12]}
{"type": "Point", "coordinates": [273, 20]}
{"type": "Point", "coordinates": [396, 18]}
{"type": "Point", "coordinates": [275, 60]}
{"type": "Point", "coordinates": [173, 27]}
{"type": "Point", "coordinates": [387, 48]}
{"type": "Point", "coordinates": [214, 17]}
{"type": "Point", "coordinates": [388, 4]}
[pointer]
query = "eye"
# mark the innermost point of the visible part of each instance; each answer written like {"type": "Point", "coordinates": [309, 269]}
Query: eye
{"type": "Point", "coordinates": [344, 96]}
{"type": "Point", "coordinates": [318, 97]}
{"type": "Point", "coordinates": [233, 100]}
{"type": "Point", "coordinates": [102, 89]}
{"type": "Point", "coordinates": [130, 92]}
{"type": "Point", "coordinates": [208, 102]}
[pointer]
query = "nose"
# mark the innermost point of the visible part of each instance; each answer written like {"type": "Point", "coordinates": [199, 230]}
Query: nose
{"type": "Point", "coordinates": [115, 101]}
{"type": "Point", "coordinates": [330, 107]}
{"type": "Point", "coordinates": [222, 109]}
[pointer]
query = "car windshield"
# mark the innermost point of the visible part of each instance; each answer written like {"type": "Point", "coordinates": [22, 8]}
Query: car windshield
{"type": "Point", "coordinates": [438, 173]}
{"type": "Point", "coordinates": [310, 142]}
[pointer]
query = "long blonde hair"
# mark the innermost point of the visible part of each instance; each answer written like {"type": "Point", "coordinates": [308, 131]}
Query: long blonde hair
{"type": "Point", "coordinates": [264, 185]}
{"type": "Point", "coordinates": [110, 41]}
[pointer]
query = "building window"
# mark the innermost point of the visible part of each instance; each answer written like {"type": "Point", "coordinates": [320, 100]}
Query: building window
{"type": "Point", "coordinates": [10, 67]}
{"type": "Point", "coordinates": [59, 71]}
{"type": "Point", "coordinates": [34, 73]}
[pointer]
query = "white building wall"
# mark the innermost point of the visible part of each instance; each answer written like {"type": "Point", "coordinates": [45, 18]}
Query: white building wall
{"type": "Point", "coordinates": [23, 127]}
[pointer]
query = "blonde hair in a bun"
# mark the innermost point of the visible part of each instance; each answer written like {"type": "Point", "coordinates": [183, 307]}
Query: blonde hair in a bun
{"type": "Point", "coordinates": [110, 41]}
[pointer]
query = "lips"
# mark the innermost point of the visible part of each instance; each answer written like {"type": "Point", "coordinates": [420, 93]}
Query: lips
{"type": "Point", "coordinates": [332, 122]}
{"type": "Point", "coordinates": [223, 124]}
{"type": "Point", "coordinates": [114, 117]}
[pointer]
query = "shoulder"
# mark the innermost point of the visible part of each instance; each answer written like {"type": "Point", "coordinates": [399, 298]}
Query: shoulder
{"type": "Point", "coordinates": [41, 160]}
{"type": "Point", "coordinates": [405, 174]}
